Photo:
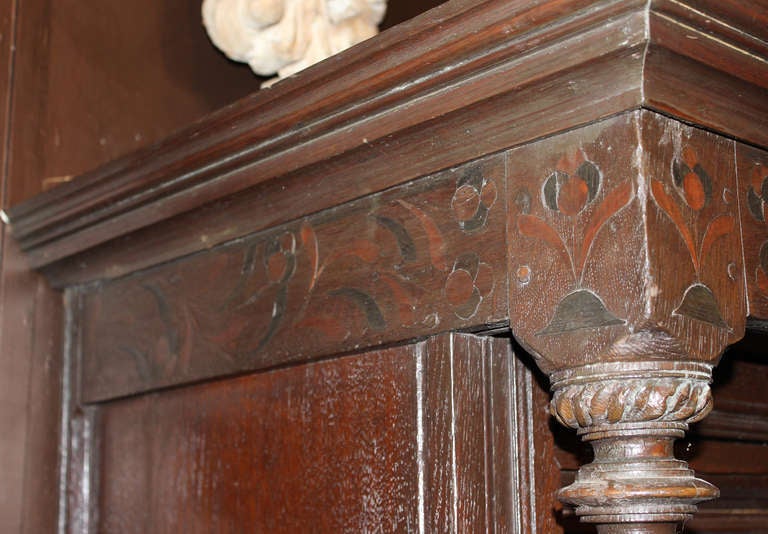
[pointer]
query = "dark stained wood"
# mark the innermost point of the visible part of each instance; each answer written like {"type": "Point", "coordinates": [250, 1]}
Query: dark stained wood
{"type": "Point", "coordinates": [13, 372]}
{"type": "Point", "coordinates": [416, 260]}
{"type": "Point", "coordinates": [468, 407]}
{"type": "Point", "coordinates": [741, 410]}
{"type": "Point", "coordinates": [329, 447]}
{"type": "Point", "coordinates": [79, 84]}
{"type": "Point", "coordinates": [737, 468]}
{"type": "Point", "coordinates": [394, 440]}
{"type": "Point", "coordinates": [379, 198]}
{"type": "Point", "coordinates": [43, 409]}
{"type": "Point", "coordinates": [399, 11]}
{"type": "Point", "coordinates": [605, 70]}
{"type": "Point", "coordinates": [538, 460]}
{"type": "Point", "coordinates": [626, 236]}
{"type": "Point", "coordinates": [724, 85]}
{"type": "Point", "coordinates": [752, 166]}
{"type": "Point", "coordinates": [392, 126]}
{"type": "Point", "coordinates": [742, 507]}
{"type": "Point", "coordinates": [30, 325]}
{"type": "Point", "coordinates": [566, 253]}
{"type": "Point", "coordinates": [17, 289]}
{"type": "Point", "coordinates": [97, 81]}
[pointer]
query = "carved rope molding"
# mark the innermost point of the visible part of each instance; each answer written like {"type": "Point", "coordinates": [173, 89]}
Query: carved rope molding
{"type": "Point", "coordinates": [624, 251]}
{"type": "Point", "coordinates": [598, 401]}
{"type": "Point", "coordinates": [631, 413]}
{"type": "Point", "coordinates": [285, 36]}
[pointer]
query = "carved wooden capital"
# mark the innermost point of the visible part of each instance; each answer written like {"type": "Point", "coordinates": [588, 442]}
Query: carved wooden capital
{"type": "Point", "coordinates": [626, 286]}
{"type": "Point", "coordinates": [612, 399]}
{"type": "Point", "coordinates": [631, 413]}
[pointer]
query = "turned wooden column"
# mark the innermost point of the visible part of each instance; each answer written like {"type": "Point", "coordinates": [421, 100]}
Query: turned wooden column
{"type": "Point", "coordinates": [626, 285]}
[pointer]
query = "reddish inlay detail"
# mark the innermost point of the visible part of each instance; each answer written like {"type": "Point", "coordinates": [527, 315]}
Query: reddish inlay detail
{"type": "Point", "coordinates": [474, 196]}
{"type": "Point", "coordinates": [690, 157]}
{"type": "Point", "coordinates": [524, 274]}
{"type": "Point", "coordinates": [762, 281]}
{"type": "Point", "coordinates": [694, 191]}
{"type": "Point", "coordinates": [691, 180]}
{"type": "Point", "coordinates": [572, 196]}
{"type": "Point", "coordinates": [489, 193]}
{"type": "Point", "coordinates": [465, 202]}
{"type": "Point", "coordinates": [697, 192]}
{"type": "Point", "coordinates": [484, 278]}
{"type": "Point", "coordinates": [668, 205]}
{"type": "Point", "coordinates": [459, 287]}
{"type": "Point", "coordinates": [276, 266]}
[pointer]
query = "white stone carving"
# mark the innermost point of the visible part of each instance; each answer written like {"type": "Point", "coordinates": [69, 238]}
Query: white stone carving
{"type": "Point", "coordinates": [285, 36]}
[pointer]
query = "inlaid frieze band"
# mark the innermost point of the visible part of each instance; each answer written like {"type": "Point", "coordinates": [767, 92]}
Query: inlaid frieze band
{"type": "Point", "coordinates": [416, 260]}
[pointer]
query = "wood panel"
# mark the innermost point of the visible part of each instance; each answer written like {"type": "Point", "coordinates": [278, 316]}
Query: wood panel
{"type": "Point", "coordinates": [327, 447]}
{"type": "Point", "coordinates": [29, 336]}
{"type": "Point", "coordinates": [13, 371]}
{"type": "Point", "coordinates": [417, 260]}
{"type": "Point", "coordinates": [399, 439]}
{"type": "Point", "coordinates": [95, 81]}
{"type": "Point", "coordinates": [79, 84]}
{"type": "Point", "coordinates": [752, 165]}
{"type": "Point", "coordinates": [44, 391]}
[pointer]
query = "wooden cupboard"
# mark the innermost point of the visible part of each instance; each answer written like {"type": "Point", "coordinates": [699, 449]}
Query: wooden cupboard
{"type": "Point", "coordinates": [332, 306]}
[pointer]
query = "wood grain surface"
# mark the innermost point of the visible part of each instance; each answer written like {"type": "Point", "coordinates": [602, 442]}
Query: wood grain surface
{"type": "Point", "coordinates": [13, 371]}
{"type": "Point", "coordinates": [548, 65]}
{"type": "Point", "coordinates": [419, 259]}
{"type": "Point", "coordinates": [752, 166]}
{"type": "Point", "coordinates": [618, 240]}
{"type": "Point", "coordinates": [96, 81]}
{"type": "Point", "coordinates": [30, 326]}
{"type": "Point", "coordinates": [358, 115]}
{"type": "Point", "coordinates": [394, 440]}
{"type": "Point", "coordinates": [335, 213]}
{"type": "Point", "coordinates": [729, 452]}
{"type": "Point", "coordinates": [706, 64]}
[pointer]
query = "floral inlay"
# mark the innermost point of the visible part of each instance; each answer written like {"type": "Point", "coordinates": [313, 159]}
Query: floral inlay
{"type": "Point", "coordinates": [572, 192]}
{"type": "Point", "coordinates": [473, 199]}
{"type": "Point", "coordinates": [469, 282]}
{"type": "Point", "coordinates": [757, 194]}
{"type": "Point", "coordinates": [694, 187]}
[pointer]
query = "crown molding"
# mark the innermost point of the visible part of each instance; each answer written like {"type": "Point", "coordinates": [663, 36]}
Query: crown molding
{"type": "Point", "coordinates": [458, 82]}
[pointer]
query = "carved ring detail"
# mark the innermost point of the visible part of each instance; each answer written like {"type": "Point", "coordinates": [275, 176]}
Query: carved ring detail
{"type": "Point", "coordinates": [626, 395]}
{"type": "Point", "coordinates": [639, 400]}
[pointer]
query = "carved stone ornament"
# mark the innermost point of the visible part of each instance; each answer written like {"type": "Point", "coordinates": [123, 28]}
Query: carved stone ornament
{"type": "Point", "coordinates": [285, 36]}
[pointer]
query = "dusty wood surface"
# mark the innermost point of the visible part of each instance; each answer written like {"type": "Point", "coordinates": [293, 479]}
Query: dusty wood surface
{"type": "Point", "coordinates": [393, 440]}
{"type": "Point", "coordinates": [414, 261]}
{"type": "Point", "coordinates": [298, 225]}
{"type": "Point", "coordinates": [414, 98]}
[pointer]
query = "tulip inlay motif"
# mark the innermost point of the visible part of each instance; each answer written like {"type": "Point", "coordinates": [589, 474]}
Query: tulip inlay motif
{"type": "Point", "coordinates": [694, 187]}
{"type": "Point", "coordinates": [572, 190]}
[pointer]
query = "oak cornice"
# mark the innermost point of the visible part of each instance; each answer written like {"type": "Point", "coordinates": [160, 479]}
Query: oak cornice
{"type": "Point", "coordinates": [456, 83]}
